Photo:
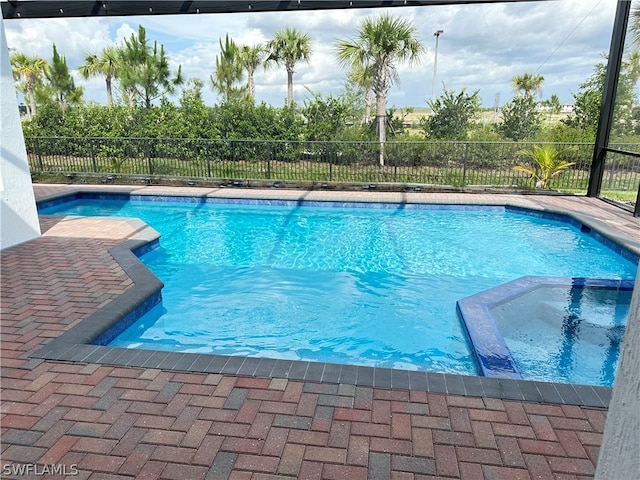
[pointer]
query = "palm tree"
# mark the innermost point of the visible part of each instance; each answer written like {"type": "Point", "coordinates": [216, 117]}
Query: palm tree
{"type": "Point", "coordinates": [528, 84]}
{"type": "Point", "coordinates": [546, 163]}
{"type": "Point", "coordinates": [29, 69]}
{"type": "Point", "coordinates": [106, 64]}
{"type": "Point", "coordinates": [382, 43]}
{"type": "Point", "coordinates": [552, 105]}
{"type": "Point", "coordinates": [251, 58]}
{"type": "Point", "coordinates": [288, 47]}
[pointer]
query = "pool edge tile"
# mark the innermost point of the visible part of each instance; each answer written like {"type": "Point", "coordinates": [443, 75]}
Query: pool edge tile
{"type": "Point", "coordinates": [400, 379]}
{"type": "Point", "coordinates": [436, 382]}
{"type": "Point", "coordinates": [381, 377]}
{"type": "Point", "coordinates": [418, 381]}
{"type": "Point", "coordinates": [472, 386]}
{"type": "Point", "coordinates": [348, 374]}
{"type": "Point", "coordinates": [454, 384]}
{"type": "Point", "coordinates": [364, 376]}
{"type": "Point", "coordinates": [298, 370]}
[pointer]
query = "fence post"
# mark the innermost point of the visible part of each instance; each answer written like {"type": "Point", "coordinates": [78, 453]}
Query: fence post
{"type": "Point", "coordinates": [464, 164]}
{"type": "Point", "coordinates": [148, 154]}
{"type": "Point", "coordinates": [612, 171]}
{"type": "Point", "coordinates": [269, 164]}
{"type": "Point", "coordinates": [208, 156]}
{"type": "Point", "coordinates": [40, 164]}
{"type": "Point", "coordinates": [331, 155]}
{"type": "Point", "coordinates": [395, 168]}
{"type": "Point", "coordinates": [93, 156]}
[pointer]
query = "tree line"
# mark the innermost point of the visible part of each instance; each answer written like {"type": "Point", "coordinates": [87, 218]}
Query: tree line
{"type": "Point", "coordinates": [140, 69]}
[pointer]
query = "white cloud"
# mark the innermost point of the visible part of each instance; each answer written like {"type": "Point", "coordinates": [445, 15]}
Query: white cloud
{"type": "Point", "coordinates": [124, 32]}
{"type": "Point", "coordinates": [483, 46]}
{"type": "Point", "coordinates": [73, 37]}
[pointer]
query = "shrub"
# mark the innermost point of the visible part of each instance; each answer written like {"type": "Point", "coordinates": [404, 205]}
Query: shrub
{"type": "Point", "coordinates": [546, 163]}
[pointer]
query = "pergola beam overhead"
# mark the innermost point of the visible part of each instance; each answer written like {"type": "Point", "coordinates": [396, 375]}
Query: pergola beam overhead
{"type": "Point", "coordinates": [12, 9]}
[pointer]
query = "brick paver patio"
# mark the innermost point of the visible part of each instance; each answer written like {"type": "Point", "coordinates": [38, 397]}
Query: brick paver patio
{"type": "Point", "coordinates": [114, 422]}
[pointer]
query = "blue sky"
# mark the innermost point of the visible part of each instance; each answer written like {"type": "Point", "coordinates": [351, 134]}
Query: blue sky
{"type": "Point", "coordinates": [482, 48]}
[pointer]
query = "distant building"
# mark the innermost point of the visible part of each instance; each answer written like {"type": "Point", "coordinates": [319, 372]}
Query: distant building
{"type": "Point", "coordinates": [564, 108]}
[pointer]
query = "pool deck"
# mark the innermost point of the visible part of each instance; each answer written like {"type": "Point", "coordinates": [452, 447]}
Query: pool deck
{"type": "Point", "coordinates": [112, 420]}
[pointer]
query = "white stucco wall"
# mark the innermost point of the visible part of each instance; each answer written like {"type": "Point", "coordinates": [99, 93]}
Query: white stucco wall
{"type": "Point", "coordinates": [18, 214]}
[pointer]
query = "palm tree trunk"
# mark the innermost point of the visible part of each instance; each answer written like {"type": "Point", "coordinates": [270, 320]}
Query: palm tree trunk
{"type": "Point", "coordinates": [367, 106]}
{"type": "Point", "coordinates": [289, 86]}
{"type": "Point", "coordinates": [252, 85]}
{"type": "Point", "coordinates": [33, 107]}
{"type": "Point", "coordinates": [132, 97]}
{"type": "Point", "coordinates": [109, 94]}
{"type": "Point", "coordinates": [381, 118]}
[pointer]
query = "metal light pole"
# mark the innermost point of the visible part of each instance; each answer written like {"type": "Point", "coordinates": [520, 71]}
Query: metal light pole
{"type": "Point", "coordinates": [435, 65]}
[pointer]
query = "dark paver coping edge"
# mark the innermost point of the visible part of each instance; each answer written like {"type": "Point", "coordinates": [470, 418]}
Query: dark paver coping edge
{"type": "Point", "coordinates": [146, 292]}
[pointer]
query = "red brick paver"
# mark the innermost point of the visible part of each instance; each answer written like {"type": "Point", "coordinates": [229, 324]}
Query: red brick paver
{"type": "Point", "coordinates": [117, 423]}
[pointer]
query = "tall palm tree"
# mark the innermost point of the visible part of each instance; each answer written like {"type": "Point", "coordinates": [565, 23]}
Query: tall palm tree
{"type": "Point", "coordinates": [289, 46]}
{"type": "Point", "coordinates": [30, 70]}
{"type": "Point", "coordinates": [251, 58]}
{"type": "Point", "coordinates": [382, 43]}
{"type": "Point", "coordinates": [106, 64]}
{"type": "Point", "coordinates": [527, 84]}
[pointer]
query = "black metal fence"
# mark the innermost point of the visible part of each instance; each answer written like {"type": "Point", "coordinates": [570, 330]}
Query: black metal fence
{"type": "Point", "coordinates": [431, 163]}
{"type": "Point", "coordinates": [619, 184]}
{"type": "Point", "coordinates": [621, 171]}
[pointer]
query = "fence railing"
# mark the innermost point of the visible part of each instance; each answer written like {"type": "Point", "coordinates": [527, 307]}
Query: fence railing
{"type": "Point", "coordinates": [618, 183]}
{"type": "Point", "coordinates": [431, 163]}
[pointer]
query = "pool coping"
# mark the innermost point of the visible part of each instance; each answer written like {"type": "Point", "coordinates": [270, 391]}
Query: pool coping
{"type": "Point", "coordinates": [491, 352]}
{"type": "Point", "coordinates": [73, 345]}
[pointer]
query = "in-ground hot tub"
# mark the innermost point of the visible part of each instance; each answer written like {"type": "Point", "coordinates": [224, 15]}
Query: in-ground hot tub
{"type": "Point", "coordinates": [537, 328]}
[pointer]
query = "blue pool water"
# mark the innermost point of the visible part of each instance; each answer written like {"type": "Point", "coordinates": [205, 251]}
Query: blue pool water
{"type": "Point", "coordinates": [362, 286]}
{"type": "Point", "coordinates": [567, 333]}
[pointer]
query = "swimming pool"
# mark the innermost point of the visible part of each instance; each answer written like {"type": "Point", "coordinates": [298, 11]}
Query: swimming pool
{"type": "Point", "coordinates": [282, 278]}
